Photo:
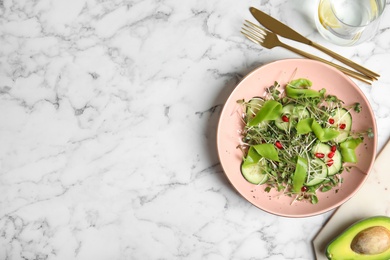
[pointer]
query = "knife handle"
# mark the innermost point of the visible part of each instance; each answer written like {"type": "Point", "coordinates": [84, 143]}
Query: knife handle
{"type": "Point", "coordinates": [344, 60]}
{"type": "Point", "coordinates": [346, 71]}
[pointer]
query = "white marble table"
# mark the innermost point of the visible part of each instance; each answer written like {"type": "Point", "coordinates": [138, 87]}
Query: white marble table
{"type": "Point", "coordinates": [108, 116]}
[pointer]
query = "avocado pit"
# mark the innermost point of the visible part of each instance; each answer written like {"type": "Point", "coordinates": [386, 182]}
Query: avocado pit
{"type": "Point", "coordinates": [371, 241]}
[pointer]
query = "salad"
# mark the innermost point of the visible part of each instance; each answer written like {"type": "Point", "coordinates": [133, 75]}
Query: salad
{"type": "Point", "coordinates": [297, 140]}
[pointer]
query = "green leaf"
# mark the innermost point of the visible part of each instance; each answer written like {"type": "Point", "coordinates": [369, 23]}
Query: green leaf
{"type": "Point", "coordinates": [308, 125]}
{"type": "Point", "coordinates": [326, 188]}
{"type": "Point", "coordinates": [300, 83]}
{"type": "Point", "coordinates": [348, 149]}
{"type": "Point", "coordinates": [299, 88]}
{"type": "Point", "coordinates": [300, 174]}
{"type": "Point", "coordinates": [252, 156]}
{"type": "Point", "coordinates": [324, 134]}
{"type": "Point", "coordinates": [297, 93]}
{"type": "Point", "coordinates": [314, 199]}
{"type": "Point", "coordinates": [267, 151]}
{"type": "Point", "coordinates": [271, 110]}
{"type": "Point", "coordinates": [357, 107]}
{"type": "Point", "coordinates": [304, 126]}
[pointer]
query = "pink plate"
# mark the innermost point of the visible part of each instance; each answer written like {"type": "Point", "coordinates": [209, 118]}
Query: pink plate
{"type": "Point", "coordinates": [254, 84]}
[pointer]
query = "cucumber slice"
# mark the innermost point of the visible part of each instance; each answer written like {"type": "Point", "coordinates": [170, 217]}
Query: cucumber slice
{"type": "Point", "coordinates": [326, 150]}
{"type": "Point", "coordinates": [318, 171]}
{"type": "Point", "coordinates": [294, 114]}
{"type": "Point", "coordinates": [255, 172]}
{"type": "Point", "coordinates": [253, 107]}
{"type": "Point", "coordinates": [337, 163]}
{"type": "Point", "coordinates": [253, 167]}
{"type": "Point", "coordinates": [341, 116]}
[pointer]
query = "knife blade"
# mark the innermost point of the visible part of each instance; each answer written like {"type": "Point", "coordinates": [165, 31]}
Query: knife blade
{"type": "Point", "coordinates": [277, 27]}
{"type": "Point", "coordinates": [285, 31]}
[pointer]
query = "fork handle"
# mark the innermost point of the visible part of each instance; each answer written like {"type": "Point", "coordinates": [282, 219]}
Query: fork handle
{"type": "Point", "coordinates": [345, 61]}
{"type": "Point", "coordinates": [354, 74]}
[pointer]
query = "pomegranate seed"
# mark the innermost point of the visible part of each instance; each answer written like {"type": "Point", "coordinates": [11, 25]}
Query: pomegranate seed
{"type": "Point", "coordinates": [319, 155]}
{"type": "Point", "coordinates": [304, 188]}
{"type": "Point", "coordinates": [333, 148]}
{"type": "Point", "coordinates": [342, 126]}
{"type": "Point", "coordinates": [278, 145]}
{"type": "Point", "coordinates": [331, 121]}
{"type": "Point", "coordinates": [331, 154]}
{"type": "Point", "coordinates": [285, 118]}
{"type": "Point", "coordinates": [329, 163]}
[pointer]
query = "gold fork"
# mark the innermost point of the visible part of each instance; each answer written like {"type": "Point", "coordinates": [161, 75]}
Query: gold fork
{"type": "Point", "coordinates": [270, 40]}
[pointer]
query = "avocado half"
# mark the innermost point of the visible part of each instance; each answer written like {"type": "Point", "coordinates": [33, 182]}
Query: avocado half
{"type": "Point", "coordinates": [344, 246]}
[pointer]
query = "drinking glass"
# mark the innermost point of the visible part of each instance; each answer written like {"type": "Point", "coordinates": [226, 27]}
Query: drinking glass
{"type": "Point", "coordinates": [349, 22]}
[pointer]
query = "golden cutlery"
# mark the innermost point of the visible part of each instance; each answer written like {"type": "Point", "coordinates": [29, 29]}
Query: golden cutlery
{"type": "Point", "coordinates": [270, 40]}
{"type": "Point", "coordinates": [283, 30]}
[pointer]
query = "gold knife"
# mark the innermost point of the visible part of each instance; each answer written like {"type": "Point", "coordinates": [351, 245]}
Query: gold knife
{"type": "Point", "coordinates": [283, 30]}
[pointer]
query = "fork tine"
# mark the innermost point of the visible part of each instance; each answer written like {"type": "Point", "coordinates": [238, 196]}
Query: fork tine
{"type": "Point", "coordinates": [257, 37]}
{"type": "Point", "coordinates": [256, 28]}
{"type": "Point", "coordinates": [250, 38]}
{"type": "Point", "coordinates": [253, 33]}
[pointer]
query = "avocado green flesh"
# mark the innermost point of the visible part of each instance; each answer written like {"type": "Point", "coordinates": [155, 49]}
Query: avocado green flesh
{"type": "Point", "coordinates": [340, 247]}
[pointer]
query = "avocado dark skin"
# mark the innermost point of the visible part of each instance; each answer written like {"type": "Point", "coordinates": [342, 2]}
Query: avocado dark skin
{"type": "Point", "coordinates": [368, 239]}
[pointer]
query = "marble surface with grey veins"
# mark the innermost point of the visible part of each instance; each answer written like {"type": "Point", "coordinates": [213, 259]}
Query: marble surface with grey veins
{"type": "Point", "coordinates": [108, 116]}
